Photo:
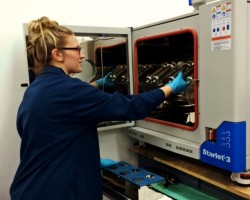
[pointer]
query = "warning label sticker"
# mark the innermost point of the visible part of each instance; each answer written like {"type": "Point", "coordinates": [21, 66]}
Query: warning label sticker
{"type": "Point", "coordinates": [221, 27]}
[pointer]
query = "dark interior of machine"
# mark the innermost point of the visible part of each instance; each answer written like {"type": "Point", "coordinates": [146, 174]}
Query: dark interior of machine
{"type": "Point", "coordinates": [112, 55]}
{"type": "Point", "coordinates": [159, 61]}
{"type": "Point", "coordinates": [113, 59]}
{"type": "Point", "coordinates": [172, 48]}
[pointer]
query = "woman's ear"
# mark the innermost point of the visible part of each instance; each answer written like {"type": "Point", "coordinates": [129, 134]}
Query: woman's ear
{"type": "Point", "coordinates": [57, 55]}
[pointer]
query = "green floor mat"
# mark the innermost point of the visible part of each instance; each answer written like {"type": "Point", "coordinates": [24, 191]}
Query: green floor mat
{"type": "Point", "coordinates": [180, 191]}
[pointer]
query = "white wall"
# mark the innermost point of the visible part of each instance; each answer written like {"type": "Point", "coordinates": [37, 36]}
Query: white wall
{"type": "Point", "coordinates": [14, 13]}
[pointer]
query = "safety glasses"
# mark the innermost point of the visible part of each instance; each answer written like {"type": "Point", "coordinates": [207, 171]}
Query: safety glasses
{"type": "Point", "coordinates": [71, 48]}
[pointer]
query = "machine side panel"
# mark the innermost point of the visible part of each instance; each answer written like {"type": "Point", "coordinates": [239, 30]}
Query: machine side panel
{"type": "Point", "coordinates": [222, 68]}
{"type": "Point", "coordinates": [223, 82]}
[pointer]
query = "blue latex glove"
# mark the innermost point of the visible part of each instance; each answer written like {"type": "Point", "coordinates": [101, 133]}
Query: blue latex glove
{"type": "Point", "coordinates": [178, 84]}
{"type": "Point", "coordinates": [105, 81]}
{"type": "Point", "coordinates": [107, 162]}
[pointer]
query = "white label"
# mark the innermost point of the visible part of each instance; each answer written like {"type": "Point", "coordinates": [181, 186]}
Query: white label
{"type": "Point", "coordinates": [221, 27]}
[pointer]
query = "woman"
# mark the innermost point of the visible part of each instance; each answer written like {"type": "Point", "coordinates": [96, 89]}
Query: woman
{"type": "Point", "coordinates": [58, 116]}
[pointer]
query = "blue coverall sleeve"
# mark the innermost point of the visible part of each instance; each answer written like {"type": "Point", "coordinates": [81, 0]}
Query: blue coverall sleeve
{"type": "Point", "coordinates": [93, 104]}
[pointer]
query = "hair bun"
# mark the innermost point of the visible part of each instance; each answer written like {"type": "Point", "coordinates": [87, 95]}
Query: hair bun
{"type": "Point", "coordinates": [43, 23]}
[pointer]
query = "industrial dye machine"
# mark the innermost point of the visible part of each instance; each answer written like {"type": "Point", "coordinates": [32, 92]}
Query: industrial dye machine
{"type": "Point", "coordinates": [208, 121]}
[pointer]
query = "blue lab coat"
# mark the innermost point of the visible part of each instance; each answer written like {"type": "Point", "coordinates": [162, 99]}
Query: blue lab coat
{"type": "Point", "coordinates": [57, 122]}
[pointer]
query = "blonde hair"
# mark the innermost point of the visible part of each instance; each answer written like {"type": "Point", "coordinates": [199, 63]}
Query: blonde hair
{"type": "Point", "coordinates": [44, 35]}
